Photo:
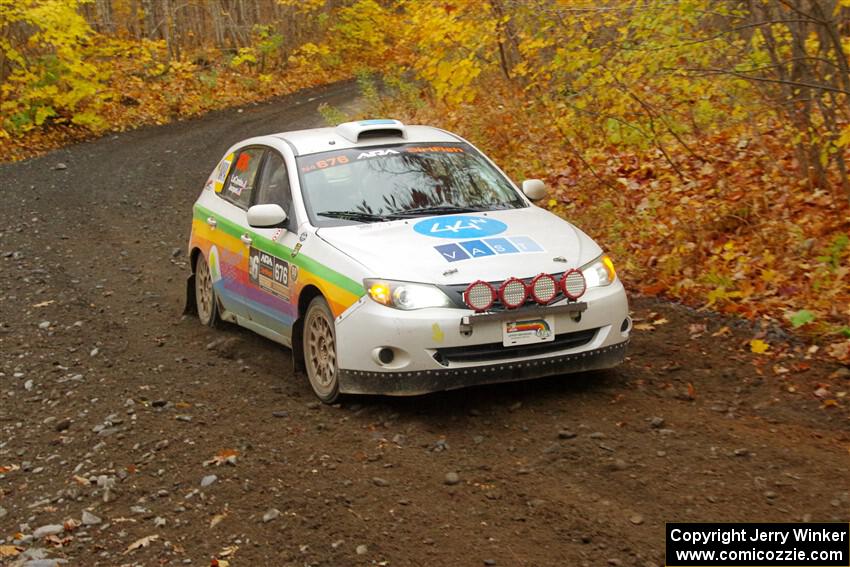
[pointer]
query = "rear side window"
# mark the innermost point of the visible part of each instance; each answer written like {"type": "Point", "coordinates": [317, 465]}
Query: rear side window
{"type": "Point", "coordinates": [243, 177]}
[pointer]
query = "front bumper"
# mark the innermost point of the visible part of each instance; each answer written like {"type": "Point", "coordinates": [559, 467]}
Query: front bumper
{"type": "Point", "coordinates": [423, 381]}
{"type": "Point", "coordinates": [441, 349]}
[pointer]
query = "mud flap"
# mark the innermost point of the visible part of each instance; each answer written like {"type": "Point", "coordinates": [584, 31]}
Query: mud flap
{"type": "Point", "coordinates": [298, 365]}
{"type": "Point", "coordinates": [190, 308]}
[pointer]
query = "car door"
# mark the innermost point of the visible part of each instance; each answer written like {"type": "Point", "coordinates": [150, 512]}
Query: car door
{"type": "Point", "coordinates": [234, 254]}
{"type": "Point", "coordinates": [272, 273]}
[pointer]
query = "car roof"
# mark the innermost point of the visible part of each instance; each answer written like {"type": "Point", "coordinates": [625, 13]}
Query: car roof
{"type": "Point", "coordinates": [362, 134]}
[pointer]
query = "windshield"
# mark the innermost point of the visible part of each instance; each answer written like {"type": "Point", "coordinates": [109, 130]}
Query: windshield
{"type": "Point", "coordinates": [376, 184]}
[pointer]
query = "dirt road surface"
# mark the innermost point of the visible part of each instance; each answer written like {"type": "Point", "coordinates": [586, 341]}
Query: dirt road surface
{"type": "Point", "coordinates": [111, 402]}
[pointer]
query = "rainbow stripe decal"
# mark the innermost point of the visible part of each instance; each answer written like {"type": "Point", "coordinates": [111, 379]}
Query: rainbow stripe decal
{"type": "Point", "coordinates": [232, 274]}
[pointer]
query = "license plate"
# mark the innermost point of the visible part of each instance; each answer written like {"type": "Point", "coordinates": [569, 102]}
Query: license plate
{"type": "Point", "coordinates": [528, 331]}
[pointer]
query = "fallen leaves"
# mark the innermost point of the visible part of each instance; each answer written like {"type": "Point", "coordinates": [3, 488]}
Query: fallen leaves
{"type": "Point", "coordinates": [82, 481]}
{"type": "Point", "coordinates": [10, 550]}
{"type": "Point", "coordinates": [696, 330]}
{"type": "Point", "coordinates": [217, 519]}
{"type": "Point", "coordinates": [9, 468]}
{"type": "Point", "coordinates": [141, 542]}
{"type": "Point", "coordinates": [225, 456]}
{"type": "Point", "coordinates": [758, 346]}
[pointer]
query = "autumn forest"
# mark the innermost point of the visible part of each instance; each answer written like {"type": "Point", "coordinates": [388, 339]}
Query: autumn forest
{"type": "Point", "coordinates": [705, 142]}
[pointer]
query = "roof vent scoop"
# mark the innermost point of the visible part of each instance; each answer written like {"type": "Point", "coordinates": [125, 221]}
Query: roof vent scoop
{"type": "Point", "coordinates": [376, 128]}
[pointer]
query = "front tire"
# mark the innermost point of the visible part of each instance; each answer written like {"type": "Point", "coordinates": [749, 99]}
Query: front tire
{"type": "Point", "coordinates": [206, 302]}
{"type": "Point", "coordinates": [319, 342]}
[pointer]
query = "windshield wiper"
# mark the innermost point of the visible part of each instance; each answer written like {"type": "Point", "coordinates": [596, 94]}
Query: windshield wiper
{"type": "Point", "coordinates": [436, 210]}
{"type": "Point", "coordinates": [355, 216]}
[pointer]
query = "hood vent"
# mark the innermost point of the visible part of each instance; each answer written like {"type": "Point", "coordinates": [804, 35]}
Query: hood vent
{"type": "Point", "coordinates": [367, 129]}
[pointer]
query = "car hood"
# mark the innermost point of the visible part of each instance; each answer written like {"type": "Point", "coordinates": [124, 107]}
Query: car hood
{"type": "Point", "coordinates": [455, 249]}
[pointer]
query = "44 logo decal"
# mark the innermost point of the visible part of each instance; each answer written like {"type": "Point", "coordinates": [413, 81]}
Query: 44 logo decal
{"type": "Point", "coordinates": [459, 226]}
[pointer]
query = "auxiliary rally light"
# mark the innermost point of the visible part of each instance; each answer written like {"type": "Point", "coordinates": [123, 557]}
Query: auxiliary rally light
{"type": "Point", "coordinates": [573, 284]}
{"type": "Point", "coordinates": [544, 288]}
{"type": "Point", "coordinates": [479, 295]}
{"type": "Point", "coordinates": [514, 292]}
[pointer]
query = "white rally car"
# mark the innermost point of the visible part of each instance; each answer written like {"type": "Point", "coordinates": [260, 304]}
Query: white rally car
{"type": "Point", "coordinates": [398, 259]}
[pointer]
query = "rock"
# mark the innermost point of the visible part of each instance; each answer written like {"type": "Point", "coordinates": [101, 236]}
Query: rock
{"type": "Point", "coordinates": [208, 480]}
{"type": "Point", "coordinates": [280, 413]}
{"type": "Point", "coordinates": [29, 385]}
{"type": "Point", "coordinates": [48, 530]}
{"type": "Point", "coordinates": [272, 514]}
{"type": "Point", "coordinates": [361, 549]}
{"type": "Point", "coordinates": [3, 512]}
{"type": "Point", "coordinates": [45, 562]}
{"type": "Point", "coordinates": [378, 481]}
{"type": "Point", "coordinates": [597, 435]}
{"type": "Point", "coordinates": [613, 561]}
{"type": "Point", "coordinates": [44, 325]}
{"type": "Point", "coordinates": [94, 351]}
{"type": "Point", "coordinates": [183, 418]}
{"type": "Point", "coordinates": [159, 522]}
{"type": "Point", "coordinates": [175, 252]}
{"type": "Point", "coordinates": [63, 424]}
{"type": "Point", "coordinates": [566, 434]}
{"type": "Point", "coordinates": [158, 403]}
{"type": "Point", "coordinates": [741, 452]}
{"type": "Point", "coordinates": [770, 495]}
{"type": "Point", "coordinates": [656, 422]}
{"type": "Point", "coordinates": [478, 439]}
{"type": "Point", "coordinates": [489, 562]}
{"type": "Point", "coordinates": [60, 166]}
{"type": "Point", "coordinates": [90, 519]}
{"type": "Point", "coordinates": [636, 519]}
{"type": "Point", "coordinates": [452, 478]}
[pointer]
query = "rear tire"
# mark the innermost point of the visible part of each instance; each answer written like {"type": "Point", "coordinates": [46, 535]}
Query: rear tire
{"type": "Point", "coordinates": [206, 302]}
{"type": "Point", "coordinates": [319, 343]}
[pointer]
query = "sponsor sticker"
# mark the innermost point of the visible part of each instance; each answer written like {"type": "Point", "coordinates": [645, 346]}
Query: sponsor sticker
{"type": "Point", "coordinates": [221, 173]}
{"type": "Point", "coordinates": [481, 248]}
{"type": "Point", "coordinates": [269, 273]}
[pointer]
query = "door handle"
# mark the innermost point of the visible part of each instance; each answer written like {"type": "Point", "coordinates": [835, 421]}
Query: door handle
{"type": "Point", "coordinates": [212, 222]}
{"type": "Point", "coordinates": [247, 240]}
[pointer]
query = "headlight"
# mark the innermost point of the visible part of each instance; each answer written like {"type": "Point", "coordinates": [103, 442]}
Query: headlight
{"type": "Point", "coordinates": [406, 295]}
{"type": "Point", "coordinates": [599, 272]}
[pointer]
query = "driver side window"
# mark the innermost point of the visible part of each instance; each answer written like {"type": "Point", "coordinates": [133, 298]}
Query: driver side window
{"type": "Point", "coordinates": [274, 184]}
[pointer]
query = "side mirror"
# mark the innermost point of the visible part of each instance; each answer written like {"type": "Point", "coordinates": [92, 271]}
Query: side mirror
{"type": "Point", "coordinates": [266, 216]}
{"type": "Point", "coordinates": [534, 189]}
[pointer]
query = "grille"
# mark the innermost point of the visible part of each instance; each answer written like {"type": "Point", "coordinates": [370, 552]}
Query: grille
{"type": "Point", "coordinates": [497, 351]}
